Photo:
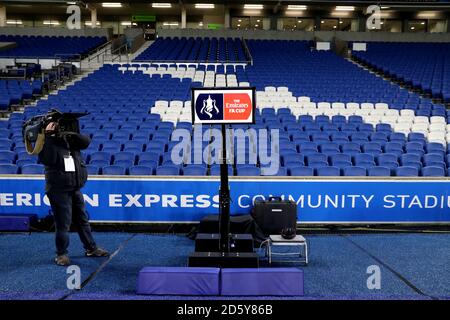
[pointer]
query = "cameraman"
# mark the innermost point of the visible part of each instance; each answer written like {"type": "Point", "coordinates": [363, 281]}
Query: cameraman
{"type": "Point", "coordinates": [65, 175]}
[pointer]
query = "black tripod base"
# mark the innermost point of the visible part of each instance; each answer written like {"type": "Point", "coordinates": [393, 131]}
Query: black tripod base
{"type": "Point", "coordinates": [223, 259]}
{"type": "Point", "coordinates": [207, 242]}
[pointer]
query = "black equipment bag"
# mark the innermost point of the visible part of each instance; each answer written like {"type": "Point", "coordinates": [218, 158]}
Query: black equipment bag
{"type": "Point", "coordinates": [275, 214]}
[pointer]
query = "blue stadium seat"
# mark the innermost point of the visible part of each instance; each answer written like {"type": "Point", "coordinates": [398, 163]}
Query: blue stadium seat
{"type": "Point", "coordinates": [387, 157]}
{"type": "Point", "coordinates": [100, 155]}
{"type": "Point", "coordinates": [7, 155]}
{"type": "Point", "coordinates": [248, 170]}
{"type": "Point", "coordinates": [33, 169]}
{"type": "Point", "coordinates": [23, 162]}
{"type": "Point", "coordinates": [93, 170]}
{"type": "Point", "coordinates": [124, 156]}
{"type": "Point", "coordinates": [141, 170]}
{"type": "Point", "coordinates": [114, 170]}
{"type": "Point", "coordinates": [168, 170]}
{"type": "Point", "coordinates": [293, 159]}
{"type": "Point", "coordinates": [215, 170]}
{"type": "Point", "coordinates": [99, 163]}
{"type": "Point", "coordinates": [433, 171]}
{"type": "Point", "coordinates": [194, 170]}
{"type": "Point", "coordinates": [282, 171]}
{"type": "Point", "coordinates": [406, 171]}
{"type": "Point", "coordinates": [354, 171]}
{"type": "Point", "coordinates": [301, 171]}
{"type": "Point", "coordinates": [328, 171]}
{"type": "Point", "coordinates": [8, 169]}
{"type": "Point", "coordinates": [379, 172]}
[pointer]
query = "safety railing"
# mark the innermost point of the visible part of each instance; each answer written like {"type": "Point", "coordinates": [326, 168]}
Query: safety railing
{"type": "Point", "coordinates": [103, 47]}
{"type": "Point", "coordinates": [247, 52]}
{"type": "Point", "coordinates": [73, 58]}
{"type": "Point", "coordinates": [219, 62]}
{"type": "Point", "coordinates": [11, 72]}
{"type": "Point", "coordinates": [118, 53]}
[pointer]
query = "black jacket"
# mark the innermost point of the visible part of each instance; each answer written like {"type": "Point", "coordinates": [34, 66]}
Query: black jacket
{"type": "Point", "coordinates": [52, 157]}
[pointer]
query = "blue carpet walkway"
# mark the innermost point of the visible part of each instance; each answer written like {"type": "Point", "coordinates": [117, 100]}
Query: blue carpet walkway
{"type": "Point", "coordinates": [413, 266]}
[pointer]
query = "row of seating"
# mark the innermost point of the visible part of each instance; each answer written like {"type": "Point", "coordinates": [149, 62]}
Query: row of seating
{"type": "Point", "coordinates": [424, 66]}
{"type": "Point", "coordinates": [198, 49]}
{"type": "Point", "coordinates": [198, 170]}
{"type": "Point", "coordinates": [320, 75]}
{"type": "Point", "coordinates": [316, 143]}
{"type": "Point", "coordinates": [15, 91]}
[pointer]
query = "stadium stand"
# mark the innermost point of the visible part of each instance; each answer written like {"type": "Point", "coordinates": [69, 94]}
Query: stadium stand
{"type": "Point", "coordinates": [195, 50]}
{"type": "Point", "coordinates": [49, 47]}
{"type": "Point", "coordinates": [334, 117]}
{"type": "Point", "coordinates": [14, 91]}
{"type": "Point", "coordinates": [423, 66]}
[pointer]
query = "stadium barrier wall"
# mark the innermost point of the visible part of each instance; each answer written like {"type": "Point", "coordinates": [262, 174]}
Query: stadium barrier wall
{"type": "Point", "coordinates": [308, 35]}
{"type": "Point", "coordinates": [44, 62]}
{"type": "Point", "coordinates": [187, 199]}
{"type": "Point", "coordinates": [57, 32]}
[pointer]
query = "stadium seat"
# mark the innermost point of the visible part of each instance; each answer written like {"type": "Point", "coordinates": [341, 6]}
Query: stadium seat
{"type": "Point", "coordinates": [141, 170]}
{"type": "Point", "coordinates": [194, 170]}
{"type": "Point", "coordinates": [114, 170]}
{"type": "Point", "coordinates": [8, 169]}
{"type": "Point", "coordinates": [167, 170]}
{"type": "Point", "coordinates": [301, 171]}
{"type": "Point", "coordinates": [354, 171]}
{"type": "Point", "coordinates": [406, 171]}
{"type": "Point", "coordinates": [215, 170]}
{"type": "Point", "coordinates": [328, 171]}
{"type": "Point", "coordinates": [93, 170]}
{"type": "Point", "coordinates": [379, 172]}
{"type": "Point", "coordinates": [432, 171]}
{"type": "Point", "coordinates": [246, 170]}
{"type": "Point", "coordinates": [33, 169]}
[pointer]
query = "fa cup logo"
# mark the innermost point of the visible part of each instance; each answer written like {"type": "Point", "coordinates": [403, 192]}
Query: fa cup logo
{"type": "Point", "coordinates": [209, 105]}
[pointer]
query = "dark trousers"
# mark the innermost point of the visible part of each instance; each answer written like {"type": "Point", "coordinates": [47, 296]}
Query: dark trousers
{"type": "Point", "coordinates": [68, 207]}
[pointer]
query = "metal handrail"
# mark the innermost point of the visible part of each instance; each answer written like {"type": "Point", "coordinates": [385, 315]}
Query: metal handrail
{"type": "Point", "coordinates": [4, 76]}
{"type": "Point", "coordinates": [191, 62]}
{"type": "Point", "coordinates": [247, 51]}
{"type": "Point", "coordinates": [98, 54]}
{"type": "Point", "coordinates": [100, 47]}
{"type": "Point", "coordinates": [125, 45]}
{"type": "Point", "coordinates": [119, 55]}
{"type": "Point", "coordinates": [62, 55]}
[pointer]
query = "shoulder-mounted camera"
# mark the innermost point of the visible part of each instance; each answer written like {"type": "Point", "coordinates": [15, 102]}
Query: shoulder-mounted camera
{"type": "Point", "coordinates": [33, 130]}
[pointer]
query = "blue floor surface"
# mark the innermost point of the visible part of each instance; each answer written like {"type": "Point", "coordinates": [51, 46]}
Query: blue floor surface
{"type": "Point", "coordinates": [413, 266]}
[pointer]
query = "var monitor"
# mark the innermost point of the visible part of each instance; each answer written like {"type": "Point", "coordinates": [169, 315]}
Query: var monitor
{"type": "Point", "coordinates": [223, 105]}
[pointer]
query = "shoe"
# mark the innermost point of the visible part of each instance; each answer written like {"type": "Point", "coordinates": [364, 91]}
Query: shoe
{"type": "Point", "coordinates": [97, 252]}
{"type": "Point", "coordinates": [62, 260]}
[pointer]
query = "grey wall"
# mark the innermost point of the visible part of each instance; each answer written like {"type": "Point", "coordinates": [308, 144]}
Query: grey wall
{"type": "Point", "coordinates": [393, 36]}
{"type": "Point", "coordinates": [305, 35]}
{"type": "Point", "coordinates": [249, 34]}
{"type": "Point", "coordinates": [131, 33]}
{"type": "Point", "coordinates": [28, 31]}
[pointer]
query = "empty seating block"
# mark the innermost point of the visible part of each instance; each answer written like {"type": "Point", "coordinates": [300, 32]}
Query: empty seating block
{"type": "Point", "coordinates": [262, 282]}
{"type": "Point", "coordinates": [328, 123]}
{"type": "Point", "coordinates": [178, 281]}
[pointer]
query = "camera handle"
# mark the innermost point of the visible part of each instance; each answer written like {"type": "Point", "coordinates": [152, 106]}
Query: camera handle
{"type": "Point", "coordinates": [37, 146]}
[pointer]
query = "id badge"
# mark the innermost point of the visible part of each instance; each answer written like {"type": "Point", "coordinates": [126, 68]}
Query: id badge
{"type": "Point", "coordinates": [69, 164]}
